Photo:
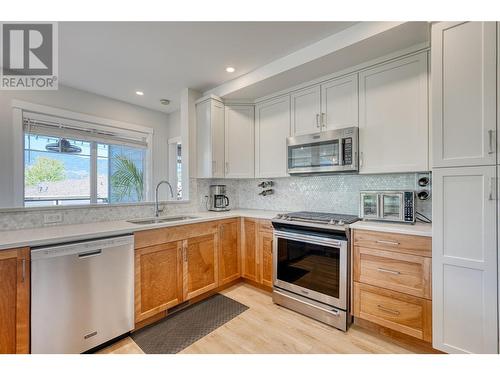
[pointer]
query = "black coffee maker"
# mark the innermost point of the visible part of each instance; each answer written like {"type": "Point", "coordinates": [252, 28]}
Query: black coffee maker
{"type": "Point", "coordinates": [218, 198]}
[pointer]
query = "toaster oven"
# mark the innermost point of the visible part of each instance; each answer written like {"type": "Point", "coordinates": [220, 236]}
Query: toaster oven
{"type": "Point", "coordinates": [396, 206]}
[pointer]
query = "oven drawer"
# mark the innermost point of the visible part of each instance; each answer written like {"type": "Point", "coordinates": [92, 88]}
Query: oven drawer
{"type": "Point", "coordinates": [400, 272]}
{"type": "Point", "coordinates": [400, 312]}
{"type": "Point", "coordinates": [404, 243]}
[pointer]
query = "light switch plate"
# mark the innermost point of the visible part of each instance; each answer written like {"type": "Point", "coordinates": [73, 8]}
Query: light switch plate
{"type": "Point", "coordinates": [53, 218]}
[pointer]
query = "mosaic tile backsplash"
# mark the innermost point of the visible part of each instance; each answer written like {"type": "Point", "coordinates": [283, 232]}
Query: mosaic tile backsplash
{"type": "Point", "coordinates": [335, 193]}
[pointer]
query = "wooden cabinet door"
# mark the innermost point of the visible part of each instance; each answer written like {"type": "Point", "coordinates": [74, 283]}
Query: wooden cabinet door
{"type": "Point", "coordinates": [305, 111]}
{"type": "Point", "coordinates": [14, 301]}
{"type": "Point", "coordinates": [239, 141]}
{"type": "Point", "coordinates": [266, 255]}
{"type": "Point", "coordinates": [229, 251]}
{"type": "Point", "coordinates": [339, 103]}
{"type": "Point", "coordinates": [272, 127]}
{"type": "Point", "coordinates": [393, 116]}
{"type": "Point", "coordinates": [463, 58]}
{"type": "Point", "coordinates": [464, 260]}
{"type": "Point", "coordinates": [158, 279]}
{"type": "Point", "coordinates": [249, 254]}
{"type": "Point", "coordinates": [200, 265]}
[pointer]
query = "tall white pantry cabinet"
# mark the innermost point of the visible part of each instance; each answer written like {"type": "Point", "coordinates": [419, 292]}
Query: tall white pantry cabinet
{"type": "Point", "coordinates": [465, 200]}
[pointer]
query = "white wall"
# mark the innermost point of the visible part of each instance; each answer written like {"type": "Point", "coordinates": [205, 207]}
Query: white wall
{"type": "Point", "coordinates": [174, 124]}
{"type": "Point", "coordinates": [84, 102]}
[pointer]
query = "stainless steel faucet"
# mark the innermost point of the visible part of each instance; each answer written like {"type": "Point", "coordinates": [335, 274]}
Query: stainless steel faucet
{"type": "Point", "coordinates": [157, 209]}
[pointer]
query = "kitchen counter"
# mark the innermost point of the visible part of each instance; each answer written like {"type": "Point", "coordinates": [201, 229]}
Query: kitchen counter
{"type": "Point", "coordinates": [50, 235]}
{"type": "Point", "coordinates": [417, 229]}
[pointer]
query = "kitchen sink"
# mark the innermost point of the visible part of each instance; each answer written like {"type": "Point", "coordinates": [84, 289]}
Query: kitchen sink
{"type": "Point", "coordinates": [158, 220]}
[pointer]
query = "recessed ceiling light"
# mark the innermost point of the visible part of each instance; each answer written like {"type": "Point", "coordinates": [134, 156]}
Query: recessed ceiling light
{"type": "Point", "coordinates": [230, 69]}
{"type": "Point", "coordinates": [165, 101]}
{"type": "Point", "coordinates": [140, 93]}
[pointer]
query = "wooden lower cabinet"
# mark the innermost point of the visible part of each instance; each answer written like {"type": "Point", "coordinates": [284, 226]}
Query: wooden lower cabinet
{"type": "Point", "coordinates": [250, 261]}
{"type": "Point", "coordinates": [394, 310]}
{"type": "Point", "coordinates": [392, 282]}
{"type": "Point", "coordinates": [14, 301]}
{"type": "Point", "coordinates": [266, 252]}
{"type": "Point", "coordinates": [158, 279]}
{"type": "Point", "coordinates": [229, 251]}
{"type": "Point", "coordinates": [200, 265]}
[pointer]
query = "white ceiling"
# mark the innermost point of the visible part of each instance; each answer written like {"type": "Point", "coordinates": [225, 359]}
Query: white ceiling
{"type": "Point", "coordinates": [115, 59]}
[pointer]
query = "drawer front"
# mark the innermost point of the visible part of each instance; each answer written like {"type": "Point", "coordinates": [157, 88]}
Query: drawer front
{"type": "Point", "coordinates": [400, 272]}
{"type": "Point", "coordinates": [397, 311]}
{"type": "Point", "coordinates": [265, 226]}
{"type": "Point", "coordinates": [416, 245]}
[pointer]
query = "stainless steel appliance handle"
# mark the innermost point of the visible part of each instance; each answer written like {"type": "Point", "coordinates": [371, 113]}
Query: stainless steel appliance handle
{"type": "Point", "coordinates": [309, 239]}
{"type": "Point", "coordinates": [317, 120]}
{"type": "Point", "coordinates": [491, 138]}
{"type": "Point", "coordinates": [388, 271]}
{"type": "Point", "coordinates": [90, 254]}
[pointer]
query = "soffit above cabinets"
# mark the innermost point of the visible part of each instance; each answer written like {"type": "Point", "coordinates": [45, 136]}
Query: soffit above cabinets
{"type": "Point", "coordinates": [373, 41]}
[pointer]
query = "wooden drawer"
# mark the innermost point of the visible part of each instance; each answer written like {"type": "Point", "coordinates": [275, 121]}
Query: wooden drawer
{"type": "Point", "coordinates": [416, 245]}
{"type": "Point", "coordinates": [400, 272]}
{"type": "Point", "coordinates": [400, 312]}
{"type": "Point", "coordinates": [265, 226]}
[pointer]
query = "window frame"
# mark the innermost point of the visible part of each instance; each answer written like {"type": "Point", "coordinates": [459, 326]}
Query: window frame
{"type": "Point", "coordinates": [19, 107]}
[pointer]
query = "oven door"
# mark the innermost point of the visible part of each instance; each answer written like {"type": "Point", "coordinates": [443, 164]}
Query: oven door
{"type": "Point", "coordinates": [311, 266]}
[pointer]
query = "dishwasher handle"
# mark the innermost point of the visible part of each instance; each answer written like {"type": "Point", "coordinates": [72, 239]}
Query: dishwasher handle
{"type": "Point", "coordinates": [90, 254]}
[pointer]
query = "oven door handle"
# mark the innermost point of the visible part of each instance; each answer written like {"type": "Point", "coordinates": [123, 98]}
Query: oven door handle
{"type": "Point", "coordinates": [310, 239]}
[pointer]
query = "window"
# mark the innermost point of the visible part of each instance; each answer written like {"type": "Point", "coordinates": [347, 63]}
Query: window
{"type": "Point", "coordinates": [65, 165]}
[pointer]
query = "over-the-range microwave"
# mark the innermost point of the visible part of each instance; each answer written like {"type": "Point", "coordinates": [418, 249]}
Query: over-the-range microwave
{"type": "Point", "coordinates": [325, 152]}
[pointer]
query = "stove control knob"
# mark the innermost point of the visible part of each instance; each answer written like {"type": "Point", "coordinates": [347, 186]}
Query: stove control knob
{"type": "Point", "coordinates": [331, 222]}
{"type": "Point", "coordinates": [340, 222]}
{"type": "Point", "coordinates": [279, 216]}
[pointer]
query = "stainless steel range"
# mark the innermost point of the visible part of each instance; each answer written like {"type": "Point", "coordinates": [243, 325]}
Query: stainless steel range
{"type": "Point", "coordinates": [311, 265]}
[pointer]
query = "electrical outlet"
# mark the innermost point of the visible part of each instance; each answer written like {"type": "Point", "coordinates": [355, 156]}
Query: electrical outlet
{"type": "Point", "coordinates": [53, 218]}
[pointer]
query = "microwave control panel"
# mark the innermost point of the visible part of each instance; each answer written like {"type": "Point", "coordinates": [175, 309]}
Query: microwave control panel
{"type": "Point", "coordinates": [347, 151]}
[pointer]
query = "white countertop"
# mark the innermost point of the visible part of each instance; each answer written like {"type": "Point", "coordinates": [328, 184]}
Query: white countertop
{"type": "Point", "coordinates": [417, 229]}
{"type": "Point", "coordinates": [49, 235]}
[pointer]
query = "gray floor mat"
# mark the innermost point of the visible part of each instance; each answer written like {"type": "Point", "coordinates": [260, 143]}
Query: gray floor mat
{"type": "Point", "coordinates": [183, 328]}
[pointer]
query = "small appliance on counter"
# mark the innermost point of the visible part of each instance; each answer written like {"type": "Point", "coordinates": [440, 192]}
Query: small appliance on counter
{"type": "Point", "coordinates": [396, 206]}
{"type": "Point", "coordinates": [218, 200]}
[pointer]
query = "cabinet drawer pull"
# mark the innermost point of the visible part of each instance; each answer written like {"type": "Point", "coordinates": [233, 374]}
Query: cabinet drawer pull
{"type": "Point", "coordinates": [390, 311]}
{"type": "Point", "coordinates": [388, 271]}
{"type": "Point", "coordinates": [395, 243]}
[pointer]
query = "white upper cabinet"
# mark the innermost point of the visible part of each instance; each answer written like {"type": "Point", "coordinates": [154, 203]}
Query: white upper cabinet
{"type": "Point", "coordinates": [393, 116]}
{"type": "Point", "coordinates": [210, 138]}
{"type": "Point", "coordinates": [239, 141]}
{"type": "Point", "coordinates": [464, 260]}
{"type": "Point", "coordinates": [464, 93]}
{"type": "Point", "coordinates": [306, 111]}
{"type": "Point", "coordinates": [339, 103]}
{"type": "Point", "coordinates": [272, 127]}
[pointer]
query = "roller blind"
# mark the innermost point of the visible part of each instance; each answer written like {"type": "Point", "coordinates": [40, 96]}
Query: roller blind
{"type": "Point", "coordinates": [39, 124]}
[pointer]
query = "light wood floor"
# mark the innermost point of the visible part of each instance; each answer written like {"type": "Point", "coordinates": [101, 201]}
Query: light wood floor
{"type": "Point", "coordinates": [268, 328]}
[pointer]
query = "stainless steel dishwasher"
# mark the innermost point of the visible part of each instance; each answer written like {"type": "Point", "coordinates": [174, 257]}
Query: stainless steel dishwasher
{"type": "Point", "coordinates": [82, 294]}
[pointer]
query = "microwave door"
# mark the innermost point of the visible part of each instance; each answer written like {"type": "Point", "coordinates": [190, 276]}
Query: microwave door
{"type": "Point", "coordinates": [369, 206]}
{"type": "Point", "coordinates": [392, 206]}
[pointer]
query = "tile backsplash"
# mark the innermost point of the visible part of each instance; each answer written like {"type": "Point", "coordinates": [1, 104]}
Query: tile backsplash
{"type": "Point", "coordinates": [335, 193]}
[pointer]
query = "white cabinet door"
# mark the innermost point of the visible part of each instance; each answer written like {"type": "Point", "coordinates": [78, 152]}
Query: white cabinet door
{"type": "Point", "coordinates": [339, 103]}
{"type": "Point", "coordinates": [210, 139]}
{"type": "Point", "coordinates": [393, 122]}
{"type": "Point", "coordinates": [272, 127]}
{"type": "Point", "coordinates": [239, 141]}
{"type": "Point", "coordinates": [463, 93]}
{"type": "Point", "coordinates": [464, 260]}
{"type": "Point", "coordinates": [305, 112]}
